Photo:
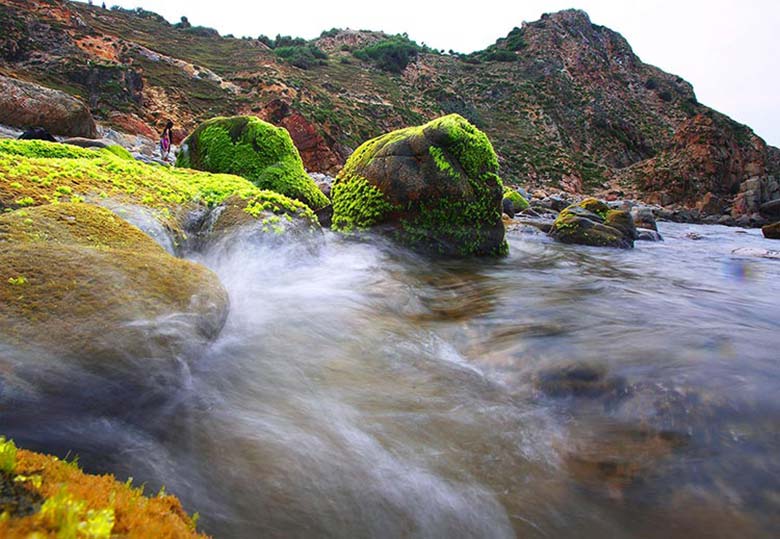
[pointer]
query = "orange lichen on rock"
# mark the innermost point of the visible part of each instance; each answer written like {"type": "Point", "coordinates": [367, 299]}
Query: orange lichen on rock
{"type": "Point", "coordinates": [133, 514]}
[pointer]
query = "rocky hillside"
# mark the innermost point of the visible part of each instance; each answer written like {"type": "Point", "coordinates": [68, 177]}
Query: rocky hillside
{"type": "Point", "coordinates": [567, 103]}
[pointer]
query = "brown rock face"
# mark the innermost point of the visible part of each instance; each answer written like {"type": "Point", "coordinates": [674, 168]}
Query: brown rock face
{"type": "Point", "coordinates": [709, 154]}
{"type": "Point", "coordinates": [23, 104]}
{"type": "Point", "coordinates": [130, 123]}
{"type": "Point", "coordinates": [316, 154]}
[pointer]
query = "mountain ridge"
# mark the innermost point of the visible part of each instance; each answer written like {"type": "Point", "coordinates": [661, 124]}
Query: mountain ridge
{"type": "Point", "coordinates": [568, 105]}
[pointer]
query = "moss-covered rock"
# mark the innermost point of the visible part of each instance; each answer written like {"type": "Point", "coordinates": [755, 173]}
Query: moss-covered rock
{"type": "Point", "coordinates": [77, 281]}
{"type": "Point", "coordinates": [434, 187]}
{"type": "Point", "coordinates": [591, 222]}
{"type": "Point", "coordinates": [34, 173]}
{"type": "Point", "coordinates": [519, 203]}
{"type": "Point", "coordinates": [253, 149]}
{"type": "Point", "coordinates": [52, 498]}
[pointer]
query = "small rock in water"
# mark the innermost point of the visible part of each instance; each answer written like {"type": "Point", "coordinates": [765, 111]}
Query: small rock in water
{"type": "Point", "coordinates": [694, 236]}
{"type": "Point", "coordinates": [508, 207]}
{"type": "Point", "coordinates": [578, 380]}
{"type": "Point", "coordinates": [644, 234]}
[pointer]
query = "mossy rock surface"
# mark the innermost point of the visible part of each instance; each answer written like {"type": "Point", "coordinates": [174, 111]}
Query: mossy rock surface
{"type": "Point", "coordinates": [34, 173]}
{"type": "Point", "coordinates": [519, 203]}
{"type": "Point", "coordinates": [60, 500]}
{"type": "Point", "coordinates": [435, 187]}
{"type": "Point", "coordinates": [591, 222]}
{"type": "Point", "coordinates": [253, 149]}
{"type": "Point", "coordinates": [79, 282]}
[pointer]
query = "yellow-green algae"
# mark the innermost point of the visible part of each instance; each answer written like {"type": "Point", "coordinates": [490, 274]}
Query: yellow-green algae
{"type": "Point", "coordinates": [37, 172]}
{"type": "Point", "coordinates": [82, 506]}
{"type": "Point", "coordinates": [518, 201]}
{"type": "Point", "coordinates": [253, 149]}
{"type": "Point", "coordinates": [463, 161]}
{"type": "Point", "coordinates": [87, 275]}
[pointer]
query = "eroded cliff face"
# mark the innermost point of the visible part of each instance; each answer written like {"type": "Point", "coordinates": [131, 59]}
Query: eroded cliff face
{"type": "Point", "coordinates": [566, 103]}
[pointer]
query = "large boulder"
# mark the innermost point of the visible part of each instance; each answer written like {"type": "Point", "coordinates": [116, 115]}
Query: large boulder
{"type": "Point", "coordinates": [592, 222]}
{"type": "Point", "coordinates": [24, 104]}
{"type": "Point", "coordinates": [78, 282]}
{"type": "Point", "coordinates": [254, 149]}
{"type": "Point", "coordinates": [435, 187]}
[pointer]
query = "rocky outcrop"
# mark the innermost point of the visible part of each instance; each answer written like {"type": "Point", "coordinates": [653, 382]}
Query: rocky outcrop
{"type": "Point", "coordinates": [80, 282]}
{"type": "Point", "coordinates": [754, 194]}
{"type": "Point", "coordinates": [315, 152]}
{"type": "Point", "coordinates": [435, 187]}
{"type": "Point", "coordinates": [592, 222]}
{"type": "Point", "coordinates": [256, 150]}
{"type": "Point", "coordinates": [24, 104]}
{"type": "Point", "coordinates": [710, 155]}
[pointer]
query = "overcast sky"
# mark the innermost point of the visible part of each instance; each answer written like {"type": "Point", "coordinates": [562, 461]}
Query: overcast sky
{"type": "Point", "coordinates": [728, 49]}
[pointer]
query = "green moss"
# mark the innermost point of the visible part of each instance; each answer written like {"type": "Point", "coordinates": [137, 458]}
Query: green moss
{"type": "Point", "coordinates": [358, 205]}
{"type": "Point", "coordinates": [255, 150]}
{"type": "Point", "coordinates": [33, 181]}
{"type": "Point", "coordinates": [596, 206]}
{"type": "Point", "coordinates": [7, 455]}
{"type": "Point", "coordinates": [71, 519]}
{"type": "Point", "coordinates": [40, 148]}
{"type": "Point", "coordinates": [120, 152]}
{"type": "Point", "coordinates": [518, 201]}
{"type": "Point", "coordinates": [453, 206]}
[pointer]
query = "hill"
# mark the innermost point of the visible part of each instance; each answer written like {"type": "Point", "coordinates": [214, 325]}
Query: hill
{"type": "Point", "coordinates": [567, 103]}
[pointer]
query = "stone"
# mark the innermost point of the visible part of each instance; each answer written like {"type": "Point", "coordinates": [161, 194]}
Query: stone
{"type": "Point", "coordinates": [24, 104]}
{"type": "Point", "coordinates": [508, 207]}
{"type": "Point", "coordinates": [771, 209]}
{"type": "Point", "coordinates": [592, 222]}
{"type": "Point", "coordinates": [645, 234]}
{"type": "Point", "coordinates": [434, 187]}
{"type": "Point", "coordinates": [80, 283]}
{"type": "Point", "coordinates": [771, 232]}
{"type": "Point", "coordinates": [256, 150]}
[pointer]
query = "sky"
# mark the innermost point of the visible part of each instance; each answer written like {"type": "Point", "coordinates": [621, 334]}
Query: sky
{"type": "Point", "coordinates": [728, 49]}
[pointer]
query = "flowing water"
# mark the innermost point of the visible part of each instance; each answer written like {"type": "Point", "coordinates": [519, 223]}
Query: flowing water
{"type": "Point", "coordinates": [360, 390]}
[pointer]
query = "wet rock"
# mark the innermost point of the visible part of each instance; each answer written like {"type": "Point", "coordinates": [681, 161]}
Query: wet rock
{"type": "Point", "coordinates": [694, 236]}
{"type": "Point", "coordinates": [613, 458]}
{"type": "Point", "coordinates": [644, 234]}
{"type": "Point", "coordinates": [26, 104]}
{"type": "Point", "coordinates": [79, 282]}
{"type": "Point", "coordinates": [592, 222]}
{"type": "Point", "coordinates": [37, 133]}
{"type": "Point", "coordinates": [261, 221]}
{"type": "Point", "coordinates": [434, 187]}
{"type": "Point", "coordinates": [508, 208]}
{"type": "Point", "coordinates": [578, 380]}
{"type": "Point", "coordinates": [771, 232]}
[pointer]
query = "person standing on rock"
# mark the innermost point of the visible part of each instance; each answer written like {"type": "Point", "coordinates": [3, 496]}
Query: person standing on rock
{"type": "Point", "coordinates": [166, 140]}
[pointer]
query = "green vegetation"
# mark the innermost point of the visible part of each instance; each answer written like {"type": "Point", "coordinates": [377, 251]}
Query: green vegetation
{"type": "Point", "coordinates": [95, 175]}
{"type": "Point", "coordinates": [7, 455]}
{"type": "Point", "coordinates": [303, 56]}
{"type": "Point", "coordinates": [391, 54]}
{"type": "Point", "coordinates": [254, 149]}
{"type": "Point", "coordinates": [518, 201]}
{"type": "Point", "coordinates": [456, 220]}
